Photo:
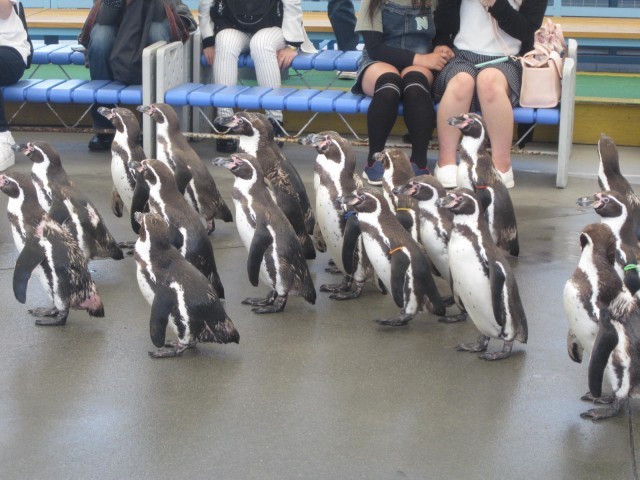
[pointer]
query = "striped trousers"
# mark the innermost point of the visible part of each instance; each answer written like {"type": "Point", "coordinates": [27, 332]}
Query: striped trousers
{"type": "Point", "coordinates": [263, 47]}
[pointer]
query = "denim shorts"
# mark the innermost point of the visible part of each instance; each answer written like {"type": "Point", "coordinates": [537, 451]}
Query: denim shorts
{"type": "Point", "coordinates": [405, 27]}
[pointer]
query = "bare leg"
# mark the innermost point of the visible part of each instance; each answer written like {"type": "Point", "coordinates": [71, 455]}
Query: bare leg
{"type": "Point", "coordinates": [498, 114]}
{"type": "Point", "coordinates": [456, 100]}
{"type": "Point", "coordinates": [479, 346]}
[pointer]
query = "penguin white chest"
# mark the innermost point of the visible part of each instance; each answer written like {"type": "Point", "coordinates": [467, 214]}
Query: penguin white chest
{"type": "Point", "coordinates": [435, 245]}
{"type": "Point", "coordinates": [120, 177]}
{"type": "Point", "coordinates": [471, 284]}
{"type": "Point", "coordinates": [328, 217]}
{"type": "Point", "coordinates": [378, 253]}
{"type": "Point", "coordinates": [581, 322]}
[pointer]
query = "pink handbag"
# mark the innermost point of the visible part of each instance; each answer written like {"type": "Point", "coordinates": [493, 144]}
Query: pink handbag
{"type": "Point", "coordinates": [542, 68]}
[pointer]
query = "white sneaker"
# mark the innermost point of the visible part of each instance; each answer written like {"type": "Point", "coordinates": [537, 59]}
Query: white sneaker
{"type": "Point", "coordinates": [507, 178]}
{"type": "Point", "coordinates": [347, 75]}
{"type": "Point", "coordinates": [447, 175]}
{"type": "Point", "coordinates": [7, 155]}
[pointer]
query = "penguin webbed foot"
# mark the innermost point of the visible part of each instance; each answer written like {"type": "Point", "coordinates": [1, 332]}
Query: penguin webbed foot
{"type": "Point", "coordinates": [504, 353]}
{"type": "Point", "coordinates": [171, 349]}
{"type": "Point", "coordinates": [53, 320]}
{"type": "Point", "coordinates": [448, 301]}
{"type": "Point", "coordinates": [332, 268]}
{"type": "Point", "coordinates": [398, 321]}
{"type": "Point", "coordinates": [605, 412]}
{"type": "Point", "coordinates": [479, 346]}
{"type": "Point", "coordinates": [276, 306]}
{"type": "Point", "coordinates": [332, 287]}
{"type": "Point", "coordinates": [601, 400]}
{"type": "Point", "coordinates": [261, 302]}
{"type": "Point", "coordinates": [127, 245]}
{"type": "Point", "coordinates": [460, 317]}
{"type": "Point", "coordinates": [44, 312]}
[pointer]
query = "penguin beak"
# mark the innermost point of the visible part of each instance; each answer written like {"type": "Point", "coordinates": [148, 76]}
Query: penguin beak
{"type": "Point", "coordinates": [379, 156]}
{"type": "Point", "coordinates": [3, 181]}
{"type": "Point", "coordinates": [24, 148]}
{"type": "Point", "coordinates": [588, 201]}
{"type": "Point", "coordinates": [460, 121]}
{"type": "Point", "coordinates": [225, 123]}
{"type": "Point", "coordinates": [311, 139]}
{"type": "Point", "coordinates": [106, 112]}
{"type": "Point", "coordinates": [230, 163]}
{"type": "Point", "coordinates": [409, 189]}
{"type": "Point", "coordinates": [18, 148]}
{"type": "Point", "coordinates": [448, 201]}
{"type": "Point", "coordinates": [136, 166]}
{"type": "Point", "coordinates": [148, 109]}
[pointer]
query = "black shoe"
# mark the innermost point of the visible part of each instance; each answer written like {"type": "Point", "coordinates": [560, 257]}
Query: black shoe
{"type": "Point", "coordinates": [225, 145]}
{"type": "Point", "coordinates": [100, 142]}
{"type": "Point", "coordinates": [278, 130]}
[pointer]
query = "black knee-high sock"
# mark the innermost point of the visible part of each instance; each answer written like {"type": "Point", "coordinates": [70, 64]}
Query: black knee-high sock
{"type": "Point", "coordinates": [383, 111]}
{"type": "Point", "coordinates": [419, 115]}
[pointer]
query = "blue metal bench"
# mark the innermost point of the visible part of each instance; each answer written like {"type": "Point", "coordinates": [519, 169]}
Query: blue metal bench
{"type": "Point", "coordinates": [177, 92]}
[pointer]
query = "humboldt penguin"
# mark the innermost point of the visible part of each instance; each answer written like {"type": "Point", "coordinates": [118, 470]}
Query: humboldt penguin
{"type": "Point", "coordinates": [126, 148]}
{"type": "Point", "coordinates": [613, 211]}
{"type": "Point", "coordinates": [186, 231]}
{"type": "Point", "coordinates": [397, 172]}
{"type": "Point", "coordinates": [435, 226]}
{"type": "Point", "coordinates": [398, 260]}
{"type": "Point", "coordinates": [610, 178]}
{"type": "Point", "coordinates": [483, 283]}
{"type": "Point", "coordinates": [476, 171]}
{"type": "Point", "coordinates": [593, 285]}
{"type": "Point", "coordinates": [334, 176]}
{"type": "Point", "coordinates": [177, 292]}
{"type": "Point", "coordinates": [193, 178]}
{"type": "Point", "coordinates": [275, 255]}
{"type": "Point", "coordinates": [66, 204]}
{"type": "Point", "coordinates": [50, 252]}
{"type": "Point", "coordinates": [256, 137]}
{"type": "Point", "coordinates": [616, 352]}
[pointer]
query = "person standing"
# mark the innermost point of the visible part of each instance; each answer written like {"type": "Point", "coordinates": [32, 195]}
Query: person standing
{"type": "Point", "coordinates": [481, 31]}
{"type": "Point", "coordinates": [397, 65]}
{"type": "Point", "coordinates": [270, 30]}
{"type": "Point", "coordinates": [14, 53]}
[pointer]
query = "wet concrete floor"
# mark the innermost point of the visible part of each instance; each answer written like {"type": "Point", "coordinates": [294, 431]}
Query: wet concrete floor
{"type": "Point", "coordinates": [318, 391]}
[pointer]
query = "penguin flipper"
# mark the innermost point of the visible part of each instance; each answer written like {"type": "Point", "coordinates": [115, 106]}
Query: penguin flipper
{"type": "Point", "coordinates": [399, 265]}
{"type": "Point", "coordinates": [59, 212]}
{"type": "Point", "coordinates": [183, 176]}
{"type": "Point", "coordinates": [605, 342]}
{"type": "Point", "coordinates": [163, 304]}
{"type": "Point", "coordinates": [498, 279]}
{"type": "Point", "coordinates": [406, 219]}
{"type": "Point", "coordinates": [262, 240]}
{"type": "Point", "coordinates": [139, 202]}
{"type": "Point", "coordinates": [350, 243]}
{"type": "Point", "coordinates": [30, 257]}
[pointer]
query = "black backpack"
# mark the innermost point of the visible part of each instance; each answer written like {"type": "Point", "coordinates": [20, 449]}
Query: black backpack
{"type": "Point", "coordinates": [246, 15]}
{"type": "Point", "coordinates": [20, 11]}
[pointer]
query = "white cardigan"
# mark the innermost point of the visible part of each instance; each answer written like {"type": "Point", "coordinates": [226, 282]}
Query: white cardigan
{"type": "Point", "coordinates": [292, 26]}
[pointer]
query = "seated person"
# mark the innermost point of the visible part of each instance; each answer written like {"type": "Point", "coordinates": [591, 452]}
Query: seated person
{"type": "Point", "coordinates": [14, 52]}
{"type": "Point", "coordinates": [397, 66]}
{"type": "Point", "coordinates": [480, 31]}
{"type": "Point", "coordinates": [273, 42]}
{"type": "Point", "coordinates": [103, 30]}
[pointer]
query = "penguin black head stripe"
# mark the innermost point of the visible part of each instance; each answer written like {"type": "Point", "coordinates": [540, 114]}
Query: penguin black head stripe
{"type": "Point", "coordinates": [123, 120]}
{"type": "Point", "coordinates": [153, 222]}
{"type": "Point", "coordinates": [326, 143]}
{"type": "Point", "coordinates": [599, 237]}
{"type": "Point", "coordinates": [158, 112]}
{"type": "Point", "coordinates": [424, 187]}
{"type": "Point", "coordinates": [9, 186]}
{"type": "Point", "coordinates": [242, 123]}
{"type": "Point", "coordinates": [155, 171]}
{"type": "Point", "coordinates": [470, 124]}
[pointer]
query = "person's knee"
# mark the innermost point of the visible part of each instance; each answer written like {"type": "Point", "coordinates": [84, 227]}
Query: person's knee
{"type": "Point", "coordinates": [263, 42]}
{"type": "Point", "coordinates": [461, 87]}
{"type": "Point", "coordinates": [101, 39]}
{"type": "Point", "coordinates": [491, 85]}
{"type": "Point", "coordinates": [226, 44]}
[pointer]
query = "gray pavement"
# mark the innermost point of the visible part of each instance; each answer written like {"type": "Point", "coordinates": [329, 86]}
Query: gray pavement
{"type": "Point", "coordinates": [316, 392]}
